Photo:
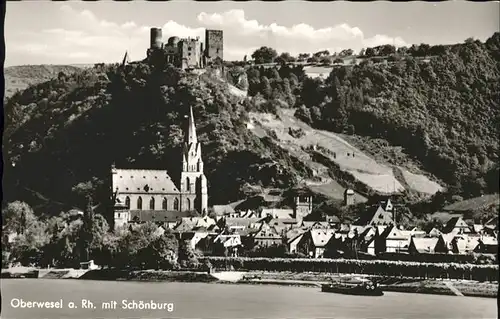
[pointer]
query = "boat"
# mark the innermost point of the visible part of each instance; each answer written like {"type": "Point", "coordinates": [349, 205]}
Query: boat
{"type": "Point", "coordinates": [354, 286]}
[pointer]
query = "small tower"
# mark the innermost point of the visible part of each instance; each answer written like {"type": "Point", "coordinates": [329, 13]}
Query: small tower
{"type": "Point", "coordinates": [349, 197]}
{"type": "Point", "coordinates": [302, 208]}
{"type": "Point", "coordinates": [126, 59]}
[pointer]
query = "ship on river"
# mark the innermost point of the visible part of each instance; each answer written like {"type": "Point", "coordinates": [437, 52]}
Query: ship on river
{"type": "Point", "coordinates": [353, 286]}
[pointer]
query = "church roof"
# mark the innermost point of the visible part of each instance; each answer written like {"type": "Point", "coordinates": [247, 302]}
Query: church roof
{"type": "Point", "coordinates": [143, 181]}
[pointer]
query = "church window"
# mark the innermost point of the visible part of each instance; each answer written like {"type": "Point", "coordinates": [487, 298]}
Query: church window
{"type": "Point", "coordinates": [152, 203]}
{"type": "Point", "coordinates": [188, 184]}
{"type": "Point", "coordinates": [127, 202]}
{"type": "Point", "coordinates": [139, 203]}
{"type": "Point", "coordinates": [164, 204]}
{"type": "Point", "coordinates": [188, 202]}
{"type": "Point", "coordinates": [176, 204]}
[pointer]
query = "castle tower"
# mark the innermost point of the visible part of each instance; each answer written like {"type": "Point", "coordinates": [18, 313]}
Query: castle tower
{"type": "Point", "coordinates": [214, 45]}
{"type": "Point", "coordinates": [194, 190]}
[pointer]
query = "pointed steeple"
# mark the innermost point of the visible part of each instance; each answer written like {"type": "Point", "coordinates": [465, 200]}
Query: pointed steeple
{"type": "Point", "coordinates": [191, 138]}
{"type": "Point", "coordinates": [126, 59]}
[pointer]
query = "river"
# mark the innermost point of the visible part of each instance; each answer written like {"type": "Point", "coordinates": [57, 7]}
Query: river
{"type": "Point", "coordinates": [200, 300]}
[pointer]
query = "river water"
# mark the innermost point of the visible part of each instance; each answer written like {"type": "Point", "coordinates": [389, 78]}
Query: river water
{"type": "Point", "coordinates": [200, 300]}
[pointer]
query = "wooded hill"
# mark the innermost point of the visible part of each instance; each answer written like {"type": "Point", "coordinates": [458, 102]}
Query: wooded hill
{"type": "Point", "coordinates": [62, 136]}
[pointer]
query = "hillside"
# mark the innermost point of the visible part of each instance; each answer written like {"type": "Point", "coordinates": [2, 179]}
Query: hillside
{"type": "Point", "coordinates": [443, 113]}
{"type": "Point", "coordinates": [18, 78]}
{"type": "Point", "coordinates": [377, 128]}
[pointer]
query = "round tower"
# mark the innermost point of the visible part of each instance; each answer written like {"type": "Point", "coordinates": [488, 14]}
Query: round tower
{"type": "Point", "coordinates": [156, 37]}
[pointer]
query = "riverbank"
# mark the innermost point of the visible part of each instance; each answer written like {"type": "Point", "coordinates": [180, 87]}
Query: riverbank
{"type": "Point", "coordinates": [306, 279]}
{"type": "Point", "coordinates": [425, 286]}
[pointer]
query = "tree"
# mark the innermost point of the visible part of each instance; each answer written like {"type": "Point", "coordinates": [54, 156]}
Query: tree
{"type": "Point", "coordinates": [266, 87]}
{"type": "Point", "coordinates": [187, 255]}
{"type": "Point", "coordinates": [326, 60]}
{"type": "Point", "coordinates": [284, 58]}
{"type": "Point", "coordinates": [346, 52]}
{"type": "Point", "coordinates": [303, 56]}
{"type": "Point", "coordinates": [264, 55]}
{"type": "Point", "coordinates": [338, 61]}
{"type": "Point", "coordinates": [17, 217]}
{"type": "Point", "coordinates": [369, 52]}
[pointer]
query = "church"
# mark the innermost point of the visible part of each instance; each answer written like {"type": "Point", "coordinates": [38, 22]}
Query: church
{"type": "Point", "coordinates": [142, 195]}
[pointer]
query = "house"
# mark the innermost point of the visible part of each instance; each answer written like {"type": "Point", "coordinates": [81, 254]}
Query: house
{"type": "Point", "coordinates": [487, 245]}
{"type": "Point", "coordinates": [266, 236]}
{"type": "Point", "coordinates": [337, 246]}
{"type": "Point", "coordinates": [462, 244]}
{"type": "Point", "coordinates": [379, 217]}
{"type": "Point", "coordinates": [221, 210]}
{"type": "Point", "coordinates": [282, 225]}
{"type": "Point", "coordinates": [196, 236]}
{"type": "Point", "coordinates": [415, 232]}
{"type": "Point", "coordinates": [292, 239]}
{"type": "Point", "coordinates": [391, 240]}
{"type": "Point", "coordinates": [456, 225]}
{"type": "Point", "coordinates": [492, 223]}
{"type": "Point", "coordinates": [277, 213]}
{"type": "Point", "coordinates": [232, 243]}
{"type": "Point", "coordinates": [238, 224]}
{"type": "Point", "coordinates": [314, 242]}
{"type": "Point", "coordinates": [422, 245]}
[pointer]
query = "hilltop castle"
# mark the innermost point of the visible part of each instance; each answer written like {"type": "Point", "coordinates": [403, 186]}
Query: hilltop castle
{"type": "Point", "coordinates": [186, 53]}
{"type": "Point", "coordinates": [151, 195]}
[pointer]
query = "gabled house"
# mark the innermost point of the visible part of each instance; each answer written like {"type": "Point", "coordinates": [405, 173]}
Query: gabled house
{"type": "Point", "coordinates": [456, 225]}
{"type": "Point", "coordinates": [391, 240]}
{"type": "Point", "coordinates": [314, 242]}
{"type": "Point", "coordinates": [423, 245]}
{"type": "Point", "coordinates": [266, 236]}
{"type": "Point", "coordinates": [487, 245]}
{"type": "Point", "coordinates": [232, 243]}
{"type": "Point", "coordinates": [463, 244]}
{"type": "Point", "coordinates": [379, 217]}
{"type": "Point", "coordinates": [282, 225]}
{"type": "Point", "coordinates": [293, 240]}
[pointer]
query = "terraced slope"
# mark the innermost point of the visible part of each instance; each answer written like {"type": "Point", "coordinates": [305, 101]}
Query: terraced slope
{"type": "Point", "coordinates": [378, 177]}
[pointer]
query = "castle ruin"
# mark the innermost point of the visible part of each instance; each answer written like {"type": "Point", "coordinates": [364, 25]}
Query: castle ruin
{"type": "Point", "coordinates": [186, 53]}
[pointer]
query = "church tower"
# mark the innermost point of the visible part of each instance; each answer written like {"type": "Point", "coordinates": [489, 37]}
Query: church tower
{"type": "Point", "coordinates": [194, 191]}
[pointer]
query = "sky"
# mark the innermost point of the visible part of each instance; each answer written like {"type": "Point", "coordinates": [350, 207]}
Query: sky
{"type": "Point", "coordinates": [74, 32]}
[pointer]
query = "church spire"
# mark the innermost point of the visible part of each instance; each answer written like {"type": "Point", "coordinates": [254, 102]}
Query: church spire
{"type": "Point", "coordinates": [191, 138]}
